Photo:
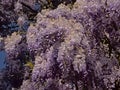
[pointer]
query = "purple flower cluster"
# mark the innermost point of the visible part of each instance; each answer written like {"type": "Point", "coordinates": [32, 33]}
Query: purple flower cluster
{"type": "Point", "coordinates": [73, 48]}
{"type": "Point", "coordinates": [86, 51]}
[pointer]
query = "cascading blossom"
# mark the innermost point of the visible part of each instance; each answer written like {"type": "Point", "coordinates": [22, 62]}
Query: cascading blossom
{"type": "Point", "coordinates": [72, 47]}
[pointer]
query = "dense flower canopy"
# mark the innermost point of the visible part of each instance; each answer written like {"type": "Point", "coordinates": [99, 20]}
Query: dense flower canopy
{"type": "Point", "coordinates": [65, 45]}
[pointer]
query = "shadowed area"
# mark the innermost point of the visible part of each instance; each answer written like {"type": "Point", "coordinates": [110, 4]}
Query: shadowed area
{"type": "Point", "coordinates": [2, 59]}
